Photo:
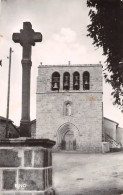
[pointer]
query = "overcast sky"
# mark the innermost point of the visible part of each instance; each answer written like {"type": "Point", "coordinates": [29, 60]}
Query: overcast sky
{"type": "Point", "coordinates": [63, 24]}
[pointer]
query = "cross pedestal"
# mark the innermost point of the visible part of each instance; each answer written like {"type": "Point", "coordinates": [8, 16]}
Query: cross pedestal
{"type": "Point", "coordinates": [27, 38]}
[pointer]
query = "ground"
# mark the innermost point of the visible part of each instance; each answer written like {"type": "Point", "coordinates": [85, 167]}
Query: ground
{"type": "Point", "coordinates": [88, 174]}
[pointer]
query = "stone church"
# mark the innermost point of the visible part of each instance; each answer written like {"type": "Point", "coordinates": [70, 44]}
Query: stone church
{"type": "Point", "coordinates": [69, 106]}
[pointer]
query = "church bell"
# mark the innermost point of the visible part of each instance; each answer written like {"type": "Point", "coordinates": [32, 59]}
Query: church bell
{"type": "Point", "coordinates": [55, 85]}
{"type": "Point", "coordinates": [66, 83]}
{"type": "Point", "coordinates": [76, 80]}
{"type": "Point", "coordinates": [86, 82]}
{"type": "Point", "coordinates": [76, 83]}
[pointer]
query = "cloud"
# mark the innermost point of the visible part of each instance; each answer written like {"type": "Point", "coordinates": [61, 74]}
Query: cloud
{"type": "Point", "coordinates": [66, 35]}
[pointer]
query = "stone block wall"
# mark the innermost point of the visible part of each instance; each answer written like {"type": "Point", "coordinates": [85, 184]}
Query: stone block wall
{"type": "Point", "coordinates": [45, 76]}
{"type": "Point", "coordinates": [86, 106]}
{"type": "Point", "coordinates": [26, 171]}
{"type": "Point", "coordinates": [86, 116]}
{"type": "Point", "coordinates": [33, 128]}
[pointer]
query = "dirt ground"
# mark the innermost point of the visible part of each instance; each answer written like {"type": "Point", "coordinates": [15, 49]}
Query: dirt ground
{"type": "Point", "coordinates": [88, 174]}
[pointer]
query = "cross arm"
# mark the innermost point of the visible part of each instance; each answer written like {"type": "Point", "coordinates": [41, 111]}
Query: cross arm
{"type": "Point", "coordinates": [37, 37]}
{"type": "Point", "coordinates": [16, 37]}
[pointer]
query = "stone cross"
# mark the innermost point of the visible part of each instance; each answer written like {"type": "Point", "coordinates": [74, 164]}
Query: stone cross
{"type": "Point", "coordinates": [27, 38]}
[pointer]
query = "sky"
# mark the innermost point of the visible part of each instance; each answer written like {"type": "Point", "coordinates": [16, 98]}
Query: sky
{"type": "Point", "coordinates": [63, 25]}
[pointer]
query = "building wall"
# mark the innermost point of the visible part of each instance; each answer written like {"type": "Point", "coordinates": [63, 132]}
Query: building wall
{"type": "Point", "coordinates": [33, 128]}
{"type": "Point", "coordinates": [12, 130]}
{"type": "Point", "coordinates": [2, 129]}
{"type": "Point", "coordinates": [119, 135]}
{"type": "Point", "coordinates": [86, 107]}
{"type": "Point", "coordinates": [110, 127]}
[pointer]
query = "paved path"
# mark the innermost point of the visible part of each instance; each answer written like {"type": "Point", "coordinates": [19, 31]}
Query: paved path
{"type": "Point", "coordinates": [88, 174]}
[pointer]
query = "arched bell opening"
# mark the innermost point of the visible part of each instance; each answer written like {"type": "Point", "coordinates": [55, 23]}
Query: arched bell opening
{"type": "Point", "coordinates": [76, 81]}
{"type": "Point", "coordinates": [66, 81]}
{"type": "Point", "coordinates": [86, 80]}
{"type": "Point", "coordinates": [55, 81]}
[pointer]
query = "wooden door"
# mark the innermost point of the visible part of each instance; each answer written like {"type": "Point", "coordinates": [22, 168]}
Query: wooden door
{"type": "Point", "coordinates": [69, 137]}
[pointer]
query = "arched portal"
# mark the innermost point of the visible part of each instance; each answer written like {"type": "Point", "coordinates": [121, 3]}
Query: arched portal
{"type": "Point", "coordinates": [69, 141]}
{"type": "Point", "coordinates": [68, 137]}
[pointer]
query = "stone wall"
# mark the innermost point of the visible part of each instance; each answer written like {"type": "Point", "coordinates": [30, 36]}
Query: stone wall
{"type": "Point", "coordinates": [119, 135]}
{"type": "Point", "coordinates": [45, 74]}
{"type": "Point", "coordinates": [33, 128]}
{"type": "Point", "coordinates": [25, 170]}
{"type": "Point", "coordinates": [86, 113]}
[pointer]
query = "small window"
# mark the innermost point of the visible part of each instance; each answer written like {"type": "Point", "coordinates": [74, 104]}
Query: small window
{"type": "Point", "coordinates": [86, 80]}
{"type": "Point", "coordinates": [55, 81]}
{"type": "Point", "coordinates": [66, 81]}
{"type": "Point", "coordinates": [76, 81]}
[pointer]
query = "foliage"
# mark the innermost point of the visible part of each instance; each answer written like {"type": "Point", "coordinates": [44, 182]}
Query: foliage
{"type": "Point", "coordinates": [106, 29]}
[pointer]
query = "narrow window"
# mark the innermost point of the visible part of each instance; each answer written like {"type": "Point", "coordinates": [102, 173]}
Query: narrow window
{"type": "Point", "coordinates": [86, 80]}
{"type": "Point", "coordinates": [68, 109]}
{"type": "Point", "coordinates": [55, 81]}
{"type": "Point", "coordinates": [66, 81]}
{"type": "Point", "coordinates": [76, 81]}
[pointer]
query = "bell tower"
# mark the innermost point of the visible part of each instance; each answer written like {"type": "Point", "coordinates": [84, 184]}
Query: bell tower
{"type": "Point", "coordinates": [69, 106]}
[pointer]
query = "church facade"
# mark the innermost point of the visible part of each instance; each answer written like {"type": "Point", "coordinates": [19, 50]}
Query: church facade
{"type": "Point", "coordinates": [69, 106]}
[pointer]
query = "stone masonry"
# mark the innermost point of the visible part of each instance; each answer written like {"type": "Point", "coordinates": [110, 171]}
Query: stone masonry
{"type": "Point", "coordinates": [26, 167]}
{"type": "Point", "coordinates": [85, 121]}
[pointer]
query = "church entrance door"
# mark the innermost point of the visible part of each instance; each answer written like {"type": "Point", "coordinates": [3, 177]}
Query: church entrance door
{"type": "Point", "coordinates": [69, 138]}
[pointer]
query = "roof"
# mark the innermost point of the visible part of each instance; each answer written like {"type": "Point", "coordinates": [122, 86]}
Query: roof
{"type": "Point", "coordinates": [69, 65]}
{"type": "Point", "coordinates": [120, 128]}
{"type": "Point", "coordinates": [4, 119]}
{"type": "Point", "coordinates": [111, 120]}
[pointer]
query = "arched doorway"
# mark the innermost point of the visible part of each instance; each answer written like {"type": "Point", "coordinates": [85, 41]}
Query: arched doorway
{"type": "Point", "coordinates": [67, 137]}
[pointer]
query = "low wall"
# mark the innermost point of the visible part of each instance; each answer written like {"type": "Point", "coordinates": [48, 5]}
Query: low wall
{"type": "Point", "coordinates": [105, 147]}
{"type": "Point", "coordinates": [26, 167]}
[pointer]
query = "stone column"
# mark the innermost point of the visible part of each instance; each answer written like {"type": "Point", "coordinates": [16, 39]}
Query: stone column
{"type": "Point", "coordinates": [26, 167]}
{"type": "Point", "coordinates": [25, 118]}
{"type": "Point", "coordinates": [27, 38]}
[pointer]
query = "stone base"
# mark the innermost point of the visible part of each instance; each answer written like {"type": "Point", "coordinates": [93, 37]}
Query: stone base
{"type": "Point", "coordinates": [48, 192]}
{"type": "Point", "coordinates": [26, 167]}
{"type": "Point", "coordinates": [105, 147]}
{"type": "Point", "coordinates": [25, 129]}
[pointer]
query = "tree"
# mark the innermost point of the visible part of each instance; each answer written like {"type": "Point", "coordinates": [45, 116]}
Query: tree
{"type": "Point", "coordinates": [106, 29]}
